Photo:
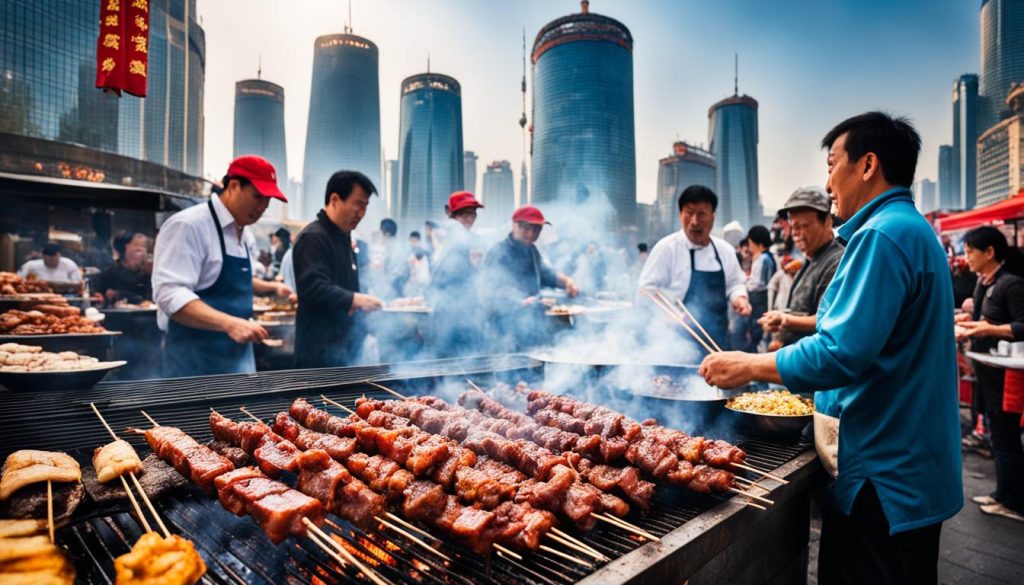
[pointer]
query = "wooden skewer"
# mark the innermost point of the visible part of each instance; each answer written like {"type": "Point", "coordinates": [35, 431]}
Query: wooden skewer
{"type": "Point", "coordinates": [327, 549]}
{"type": "Point", "coordinates": [344, 553]}
{"type": "Point", "coordinates": [581, 547]}
{"type": "Point", "coordinates": [410, 526]}
{"type": "Point", "coordinates": [49, 508]}
{"type": "Point", "coordinates": [763, 473]}
{"type": "Point", "coordinates": [751, 504]}
{"type": "Point", "coordinates": [509, 552]}
{"type": "Point", "coordinates": [750, 495]}
{"type": "Point", "coordinates": [678, 318]}
{"type": "Point", "coordinates": [135, 505]}
{"type": "Point", "coordinates": [386, 389]}
{"type": "Point", "coordinates": [338, 404]}
{"type": "Point", "coordinates": [626, 526]}
{"type": "Point", "coordinates": [254, 417]}
{"type": "Point", "coordinates": [697, 323]}
{"type": "Point", "coordinates": [155, 424]}
{"type": "Point", "coordinates": [475, 387]}
{"type": "Point", "coordinates": [567, 557]}
{"type": "Point", "coordinates": [138, 486]}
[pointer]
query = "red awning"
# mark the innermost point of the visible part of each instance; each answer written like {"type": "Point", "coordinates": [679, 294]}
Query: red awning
{"type": "Point", "coordinates": [1007, 209]}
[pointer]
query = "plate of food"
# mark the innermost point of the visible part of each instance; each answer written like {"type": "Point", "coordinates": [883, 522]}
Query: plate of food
{"type": "Point", "coordinates": [407, 305]}
{"type": "Point", "coordinates": [29, 368]}
{"type": "Point", "coordinates": [775, 411]}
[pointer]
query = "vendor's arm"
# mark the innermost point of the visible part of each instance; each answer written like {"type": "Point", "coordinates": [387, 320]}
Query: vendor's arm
{"type": "Point", "coordinates": [657, 271]}
{"type": "Point", "coordinates": [783, 321]}
{"type": "Point", "coordinates": [313, 280]}
{"type": "Point", "coordinates": [199, 315]}
{"type": "Point", "coordinates": [269, 287]}
{"type": "Point", "coordinates": [1013, 299]}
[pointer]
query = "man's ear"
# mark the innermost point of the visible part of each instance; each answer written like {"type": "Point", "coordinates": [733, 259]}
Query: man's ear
{"type": "Point", "coordinates": [871, 166]}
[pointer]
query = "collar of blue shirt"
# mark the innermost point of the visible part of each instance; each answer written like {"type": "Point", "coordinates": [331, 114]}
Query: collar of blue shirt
{"type": "Point", "coordinates": [851, 226]}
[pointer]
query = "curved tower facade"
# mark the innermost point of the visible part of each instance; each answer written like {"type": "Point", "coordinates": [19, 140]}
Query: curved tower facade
{"type": "Point", "coordinates": [1002, 56]}
{"type": "Point", "coordinates": [343, 132]}
{"type": "Point", "coordinates": [430, 156]}
{"type": "Point", "coordinates": [498, 193]}
{"type": "Point", "coordinates": [259, 129]}
{"type": "Point", "coordinates": [732, 135]}
{"type": "Point", "coordinates": [583, 141]}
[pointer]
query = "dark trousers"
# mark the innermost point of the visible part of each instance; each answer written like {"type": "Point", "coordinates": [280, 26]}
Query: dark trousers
{"type": "Point", "coordinates": [1004, 428]}
{"type": "Point", "coordinates": [858, 548]}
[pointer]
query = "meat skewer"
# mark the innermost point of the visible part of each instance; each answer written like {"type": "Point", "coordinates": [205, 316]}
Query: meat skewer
{"type": "Point", "coordinates": [239, 487]}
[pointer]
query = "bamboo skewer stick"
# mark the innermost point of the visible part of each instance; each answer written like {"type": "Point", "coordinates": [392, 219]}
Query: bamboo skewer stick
{"type": "Point", "coordinates": [410, 526]}
{"type": "Point", "coordinates": [581, 547]}
{"type": "Point", "coordinates": [672, 314]}
{"type": "Point", "coordinates": [338, 404]}
{"type": "Point", "coordinates": [626, 526]}
{"type": "Point", "coordinates": [565, 556]}
{"type": "Point", "coordinates": [49, 508]}
{"type": "Point", "coordinates": [149, 418]}
{"type": "Point", "coordinates": [750, 495]}
{"type": "Point", "coordinates": [763, 473]}
{"type": "Point", "coordinates": [386, 389]}
{"type": "Point", "coordinates": [327, 549]}
{"type": "Point", "coordinates": [138, 485]}
{"type": "Point", "coordinates": [377, 518]}
{"type": "Point", "coordinates": [344, 553]}
{"type": "Point", "coordinates": [751, 504]}
{"type": "Point", "coordinates": [507, 551]}
{"type": "Point", "coordinates": [135, 505]}
{"type": "Point", "coordinates": [700, 327]}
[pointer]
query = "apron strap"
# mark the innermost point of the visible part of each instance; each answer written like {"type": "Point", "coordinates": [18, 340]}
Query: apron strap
{"type": "Point", "coordinates": [220, 234]}
{"type": "Point", "coordinates": [693, 259]}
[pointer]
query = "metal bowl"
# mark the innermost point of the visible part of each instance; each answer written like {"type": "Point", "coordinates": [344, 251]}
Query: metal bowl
{"type": "Point", "coordinates": [57, 381]}
{"type": "Point", "coordinates": [770, 425]}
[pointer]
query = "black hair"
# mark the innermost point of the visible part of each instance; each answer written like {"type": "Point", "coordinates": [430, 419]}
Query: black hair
{"type": "Point", "coordinates": [51, 250]}
{"type": "Point", "coordinates": [642, 247]}
{"type": "Point", "coordinates": [760, 235]}
{"type": "Point", "coordinates": [415, 234]}
{"type": "Point", "coordinates": [430, 224]}
{"type": "Point", "coordinates": [388, 226]}
{"type": "Point", "coordinates": [242, 182]}
{"type": "Point", "coordinates": [985, 237]}
{"type": "Point", "coordinates": [743, 242]}
{"type": "Point", "coordinates": [893, 140]}
{"type": "Point", "coordinates": [698, 194]}
{"type": "Point", "coordinates": [343, 182]}
{"type": "Point", "coordinates": [122, 240]}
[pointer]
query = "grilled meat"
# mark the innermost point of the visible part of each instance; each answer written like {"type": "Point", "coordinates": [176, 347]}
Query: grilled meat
{"type": "Point", "coordinates": [114, 460]}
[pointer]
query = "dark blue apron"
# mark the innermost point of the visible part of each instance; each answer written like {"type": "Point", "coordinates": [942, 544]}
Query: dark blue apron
{"type": "Point", "coordinates": [706, 299]}
{"type": "Point", "coordinates": [196, 352]}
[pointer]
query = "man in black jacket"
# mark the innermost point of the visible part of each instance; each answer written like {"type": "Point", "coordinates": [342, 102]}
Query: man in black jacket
{"type": "Point", "coordinates": [328, 327]}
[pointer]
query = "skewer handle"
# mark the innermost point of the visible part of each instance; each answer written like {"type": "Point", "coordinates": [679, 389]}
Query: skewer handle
{"type": "Point", "coordinates": [49, 508]}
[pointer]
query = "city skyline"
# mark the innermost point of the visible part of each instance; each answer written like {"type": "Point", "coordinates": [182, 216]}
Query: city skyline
{"type": "Point", "coordinates": [677, 77]}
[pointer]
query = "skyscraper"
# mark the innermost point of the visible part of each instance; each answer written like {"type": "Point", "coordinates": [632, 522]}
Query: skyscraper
{"type": "Point", "coordinates": [1002, 56]}
{"type": "Point", "coordinates": [925, 195]}
{"type": "Point", "coordinates": [343, 131]}
{"type": "Point", "coordinates": [392, 169]}
{"type": "Point", "coordinates": [47, 60]}
{"type": "Point", "coordinates": [732, 134]}
{"type": "Point", "coordinates": [687, 165]}
{"type": "Point", "coordinates": [259, 129]}
{"type": "Point", "coordinates": [583, 141]}
{"type": "Point", "coordinates": [1001, 153]}
{"type": "Point", "coordinates": [498, 193]}
{"type": "Point", "coordinates": [469, 171]}
{"type": "Point", "coordinates": [430, 155]}
{"type": "Point", "coordinates": [965, 138]}
{"type": "Point", "coordinates": [524, 186]}
{"type": "Point", "coordinates": [946, 200]}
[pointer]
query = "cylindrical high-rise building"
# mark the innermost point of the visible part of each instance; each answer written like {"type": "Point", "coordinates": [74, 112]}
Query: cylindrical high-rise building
{"type": "Point", "coordinates": [430, 156]}
{"type": "Point", "coordinates": [1002, 56]}
{"type": "Point", "coordinates": [732, 134]}
{"type": "Point", "coordinates": [259, 129]}
{"type": "Point", "coordinates": [343, 132]}
{"type": "Point", "coordinates": [583, 141]}
{"type": "Point", "coordinates": [688, 165]}
{"type": "Point", "coordinates": [498, 193]}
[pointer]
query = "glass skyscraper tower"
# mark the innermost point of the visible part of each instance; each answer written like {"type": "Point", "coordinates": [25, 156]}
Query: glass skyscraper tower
{"type": "Point", "coordinates": [1002, 57]}
{"type": "Point", "coordinates": [688, 165]}
{"type": "Point", "coordinates": [343, 131]}
{"type": "Point", "coordinates": [430, 155]}
{"type": "Point", "coordinates": [499, 193]}
{"type": "Point", "coordinates": [47, 82]}
{"type": "Point", "coordinates": [583, 142]}
{"type": "Point", "coordinates": [965, 140]}
{"type": "Point", "coordinates": [259, 129]}
{"type": "Point", "coordinates": [732, 134]}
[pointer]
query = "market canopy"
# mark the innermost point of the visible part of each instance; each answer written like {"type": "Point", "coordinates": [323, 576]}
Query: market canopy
{"type": "Point", "coordinates": [1007, 209]}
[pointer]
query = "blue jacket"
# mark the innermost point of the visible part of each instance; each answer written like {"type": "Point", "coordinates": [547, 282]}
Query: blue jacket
{"type": "Point", "coordinates": [884, 346]}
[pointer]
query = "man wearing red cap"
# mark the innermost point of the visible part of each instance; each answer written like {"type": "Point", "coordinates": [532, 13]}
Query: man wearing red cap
{"type": "Point", "coordinates": [202, 275]}
{"type": "Point", "coordinates": [455, 322]}
{"type": "Point", "coordinates": [514, 273]}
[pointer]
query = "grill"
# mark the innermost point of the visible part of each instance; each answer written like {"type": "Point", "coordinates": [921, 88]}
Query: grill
{"type": "Point", "coordinates": [235, 548]}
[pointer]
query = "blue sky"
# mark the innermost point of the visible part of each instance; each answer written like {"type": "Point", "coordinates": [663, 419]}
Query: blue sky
{"type": "Point", "coordinates": [809, 64]}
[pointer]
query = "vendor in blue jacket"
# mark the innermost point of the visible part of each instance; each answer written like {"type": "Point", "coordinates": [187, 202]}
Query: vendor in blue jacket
{"type": "Point", "coordinates": [884, 351]}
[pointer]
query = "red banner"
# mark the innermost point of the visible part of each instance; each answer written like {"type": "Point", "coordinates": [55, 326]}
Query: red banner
{"type": "Point", "coordinates": [122, 50]}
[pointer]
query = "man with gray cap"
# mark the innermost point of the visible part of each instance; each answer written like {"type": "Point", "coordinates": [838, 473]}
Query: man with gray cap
{"type": "Point", "coordinates": [810, 218]}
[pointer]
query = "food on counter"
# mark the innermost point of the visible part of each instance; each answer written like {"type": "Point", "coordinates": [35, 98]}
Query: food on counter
{"type": "Point", "coordinates": [773, 402]}
{"type": "Point", "coordinates": [12, 284]}
{"type": "Point", "coordinates": [28, 466]}
{"type": "Point", "coordinates": [157, 478]}
{"type": "Point", "coordinates": [567, 310]}
{"type": "Point", "coordinates": [140, 306]}
{"type": "Point", "coordinates": [15, 322]}
{"type": "Point", "coordinates": [155, 559]}
{"type": "Point", "coordinates": [114, 460]}
{"type": "Point", "coordinates": [407, 305]}
{"type": "Point", "coordinates": [15, 357]}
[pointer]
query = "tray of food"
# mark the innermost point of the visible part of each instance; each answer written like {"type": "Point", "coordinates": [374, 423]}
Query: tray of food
{"type": "Point", "coordinates": [29, 368]}
{"type": "Point", "coordinates": [126, 307]}
{"type": "Point", "coordinates": [407, 305]}
{"type": "Point", "coordinates": [772, 412]}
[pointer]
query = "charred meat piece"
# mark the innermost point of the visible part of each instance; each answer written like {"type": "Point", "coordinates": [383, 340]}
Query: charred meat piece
{"type": "Point", "coordinates": [157, 478]}
{"type": "Point", "coordinates": [235, 455]}
{"type": "Point", "coordinates": [30, 501]}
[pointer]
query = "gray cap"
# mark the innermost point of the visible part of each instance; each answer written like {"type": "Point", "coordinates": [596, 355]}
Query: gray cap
{"type": "Point", "coordinates": [811, 197]}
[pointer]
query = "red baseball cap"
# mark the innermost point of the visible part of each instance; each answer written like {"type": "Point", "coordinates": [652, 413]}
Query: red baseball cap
{"type": "Point", "coordinates": [529, 214]}
{"type": "Point", "coordinates": [259, 172]}
{"type": "Point", "coordinates": [462, 200]}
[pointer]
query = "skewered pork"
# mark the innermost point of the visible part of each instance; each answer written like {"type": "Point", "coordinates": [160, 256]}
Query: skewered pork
{"type": "Point", "coordinates": [114, 460]}
{"type": "Point", "coordinates": [27, 466]}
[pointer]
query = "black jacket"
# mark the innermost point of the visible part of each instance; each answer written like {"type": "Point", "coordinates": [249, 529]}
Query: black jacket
{"type": "Point", "coordinates": [133, 286]}
{"type": "Point", "coordinates": [327, 278]}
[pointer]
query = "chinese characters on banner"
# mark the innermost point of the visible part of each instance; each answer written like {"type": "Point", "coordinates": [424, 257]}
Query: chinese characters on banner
{"type": "Point", "coordinates": [122, 50]}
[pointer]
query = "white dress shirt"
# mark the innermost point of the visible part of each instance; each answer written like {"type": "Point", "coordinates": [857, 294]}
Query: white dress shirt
{"type": "Point", "coordinates": [65, 272]}
{"type": "Point", "coordinates": [187, 257]}
{"type": "Point", "coordinates": [668, 265]}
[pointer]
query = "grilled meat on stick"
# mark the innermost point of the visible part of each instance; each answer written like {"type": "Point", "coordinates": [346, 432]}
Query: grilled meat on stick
{"type": "Point", "coordinates": [114, 460]}
{"type": "Point", "coordinates": [155, 559]}
{"type": "Point", "coordinates": [515, 524]}
{"type": "Point", "coordinates": [27, 467]}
